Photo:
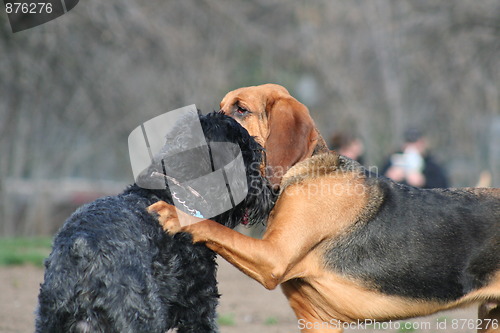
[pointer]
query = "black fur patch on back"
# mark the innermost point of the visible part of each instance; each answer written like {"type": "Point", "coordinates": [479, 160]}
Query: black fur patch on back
{"type": "Point", "coordinates": [423, 244]}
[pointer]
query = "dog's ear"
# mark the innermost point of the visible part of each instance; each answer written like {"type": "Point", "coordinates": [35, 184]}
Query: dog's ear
{"type": "Point", "coordinates": [292, 136]}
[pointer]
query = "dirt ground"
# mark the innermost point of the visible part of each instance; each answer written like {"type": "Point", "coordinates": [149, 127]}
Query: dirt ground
{"type": "Point", "coordinates": [245, 307]}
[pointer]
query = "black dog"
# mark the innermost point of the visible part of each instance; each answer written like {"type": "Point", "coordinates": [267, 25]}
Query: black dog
{"type": "Point", "coordinates": [113, 269]}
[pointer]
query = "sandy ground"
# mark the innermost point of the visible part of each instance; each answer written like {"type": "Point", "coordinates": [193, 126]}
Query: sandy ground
{"type": "Point", "coordinates": [246, 307]}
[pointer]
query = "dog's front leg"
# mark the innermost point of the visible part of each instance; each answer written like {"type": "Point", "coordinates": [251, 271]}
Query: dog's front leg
{"type": "Point", "coordinates": [269, 260]}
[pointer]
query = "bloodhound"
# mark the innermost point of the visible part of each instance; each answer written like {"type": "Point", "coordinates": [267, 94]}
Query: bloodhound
{"type": "Point", "coordinates": [346, 245]}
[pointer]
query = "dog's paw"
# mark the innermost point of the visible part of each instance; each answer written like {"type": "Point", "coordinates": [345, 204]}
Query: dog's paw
{"type": "Point", "coordinates": [167, 216]}
{"type": "Point", "coordinates": [157, 207]}
{"type": "Point", "coordinates": [171, 225]}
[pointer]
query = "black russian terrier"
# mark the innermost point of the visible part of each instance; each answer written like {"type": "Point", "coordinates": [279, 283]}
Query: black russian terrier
{"type": "Point", "coordinates": [113, 268]}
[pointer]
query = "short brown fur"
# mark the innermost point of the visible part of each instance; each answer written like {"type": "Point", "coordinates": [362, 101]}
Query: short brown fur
{"type": "Point", "coordinates": [301, 227]}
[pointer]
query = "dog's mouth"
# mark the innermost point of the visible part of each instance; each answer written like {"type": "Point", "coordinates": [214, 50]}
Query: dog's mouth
{"type": "Point", "coordinates": [246, 218]}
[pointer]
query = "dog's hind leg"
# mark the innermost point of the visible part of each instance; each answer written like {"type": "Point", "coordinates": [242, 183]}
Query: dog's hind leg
{"type": "Point", "coordinates": [489, 317]}
{"type": "Point", "coordinates": [308, 319]}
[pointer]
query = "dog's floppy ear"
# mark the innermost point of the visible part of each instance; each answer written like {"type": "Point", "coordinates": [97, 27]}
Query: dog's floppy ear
{"type": "Point", "coordinates": [292, 136]}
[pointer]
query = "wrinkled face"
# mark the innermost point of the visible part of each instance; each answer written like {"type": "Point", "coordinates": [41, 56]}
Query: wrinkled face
{"type": "Point", "coordinates": [277, 121]}
{"type": "Point", "coordinates": [251, 106]}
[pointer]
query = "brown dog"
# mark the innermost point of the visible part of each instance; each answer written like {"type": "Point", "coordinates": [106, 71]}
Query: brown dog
{"type": "Point", "coordinates": [347, 246]}
{"type": "Point", "coordinates": [280, 123]}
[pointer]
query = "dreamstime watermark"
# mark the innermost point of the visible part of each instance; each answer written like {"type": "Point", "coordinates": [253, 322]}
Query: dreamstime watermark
{"type": "Point", "coordinates": [26, 14]}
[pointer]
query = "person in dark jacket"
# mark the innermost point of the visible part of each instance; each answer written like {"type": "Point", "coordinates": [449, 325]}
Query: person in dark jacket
{"type": "Point", "coordinates": [348, 145]}
{"type": "Point", "coordinates": [414, 165]}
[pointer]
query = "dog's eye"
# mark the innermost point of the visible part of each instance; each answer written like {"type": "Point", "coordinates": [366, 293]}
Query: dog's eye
{"type": "Point", "coordinates": [241, 110]}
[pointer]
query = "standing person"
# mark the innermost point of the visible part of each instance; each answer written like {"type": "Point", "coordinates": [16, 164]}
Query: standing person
{"type": "Point", "coordinates": [348, 146]}
{"type": "Point", "coordinates": [414, 165]}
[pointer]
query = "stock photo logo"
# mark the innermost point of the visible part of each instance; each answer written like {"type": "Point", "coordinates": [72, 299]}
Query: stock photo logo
{"type": "Point", "coordinates": [25, 15]}
{"type": "Point", "coordinates": [204, 179]}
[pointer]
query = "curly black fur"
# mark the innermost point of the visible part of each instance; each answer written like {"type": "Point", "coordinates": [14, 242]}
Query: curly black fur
{"type": "Point", "coordinates": [113, 269]}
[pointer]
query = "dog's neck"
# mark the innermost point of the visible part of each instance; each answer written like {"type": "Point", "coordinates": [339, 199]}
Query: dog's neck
{"type": "Point", "coordinates": [321, 146]}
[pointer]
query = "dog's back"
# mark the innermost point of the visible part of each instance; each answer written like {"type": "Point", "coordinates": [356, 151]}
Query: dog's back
{"type": "Point", "coordinates": [395, 249]}
{"type": "Point", "coordinates": [114, 270]}
{"type": "Point", "coordinates": [393, 244]}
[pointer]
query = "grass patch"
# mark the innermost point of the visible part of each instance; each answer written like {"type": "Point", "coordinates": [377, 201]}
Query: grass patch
{"type": "Point", "coordinates": [271, 321]}
{"type": "Point", "coordinates": [22, 251]}
{"type": "Point", "coordinates": [442, 319]}
{"type": "Point", "coordinates": [227, 319]}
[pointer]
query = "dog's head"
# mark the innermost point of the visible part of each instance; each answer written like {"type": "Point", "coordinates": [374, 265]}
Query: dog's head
{"type": "Point", "coordinates": [215, 174]}
{"type": "Point", "coordinates": [280, 123]}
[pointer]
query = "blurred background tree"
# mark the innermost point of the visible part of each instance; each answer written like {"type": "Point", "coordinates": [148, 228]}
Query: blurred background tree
{"type": "Point", "coordinates": [72, 90]}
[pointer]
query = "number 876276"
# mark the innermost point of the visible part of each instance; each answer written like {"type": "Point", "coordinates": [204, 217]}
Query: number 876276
{"type": "Point", "coordinates": [28, 8]}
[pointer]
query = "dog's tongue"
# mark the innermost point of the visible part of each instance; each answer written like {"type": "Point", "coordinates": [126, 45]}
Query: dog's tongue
{"type": "Point", "coordinates": [245, 219]}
